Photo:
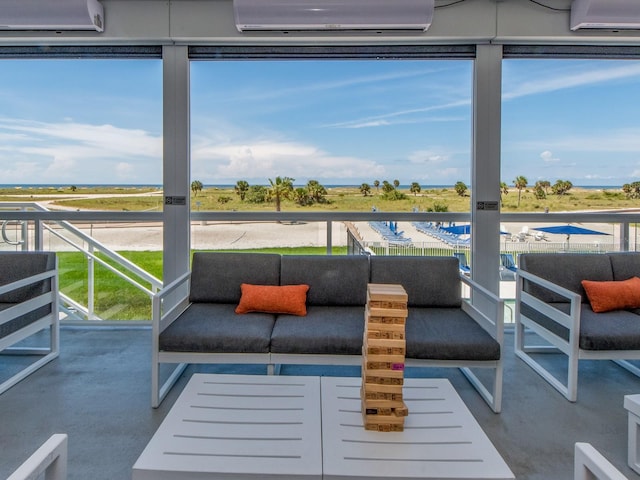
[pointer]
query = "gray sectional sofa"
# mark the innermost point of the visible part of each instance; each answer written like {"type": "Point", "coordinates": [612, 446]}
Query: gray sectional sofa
{"type": "Point", "coordinates": [194, 319]}
{"type": "Point", "coordinates": [552, 303]}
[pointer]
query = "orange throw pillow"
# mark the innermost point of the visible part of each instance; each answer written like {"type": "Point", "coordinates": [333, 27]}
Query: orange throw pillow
{"type": "Point", "coordinates": [608, 296]}
{"type": "Point", "coordinates": [289, 299]}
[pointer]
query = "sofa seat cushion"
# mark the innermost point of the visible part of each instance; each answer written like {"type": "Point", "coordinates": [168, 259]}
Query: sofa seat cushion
{"type": "Point", "coordinates": [216, 276]}
{"type": "Point", "coordinates": [334, 280]}
{"type": "Point", "coordinates": [23, 320]}
{"type": "Point", "coordinates": [615, 330]}
{"type": "Point", "coordinates": [566, 270]}
{"type": "Point", "coordinates": [625, 264]}
{"type": "Point", "coordinates": [16, 266]}
{"type": "Point", "coordinates": [216, 328]}
{"type": "Point", "coordinates": [325, 330]}
{"type": "Point", "coordinates": [447, 334]}
{"type": "Point", "coordinates": [428, 281]}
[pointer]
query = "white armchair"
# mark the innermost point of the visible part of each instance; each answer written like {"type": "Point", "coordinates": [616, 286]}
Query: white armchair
{"type": "Point", "coordinates": [49, 460]}
{"type": "Point", "coordinates": [589, 464]}
{"type": "Point", "coordinates": [28, 304]}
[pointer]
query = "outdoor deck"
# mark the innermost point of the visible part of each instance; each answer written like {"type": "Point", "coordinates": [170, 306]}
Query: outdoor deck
{"type": "Point", "coordinates": [98, 392]}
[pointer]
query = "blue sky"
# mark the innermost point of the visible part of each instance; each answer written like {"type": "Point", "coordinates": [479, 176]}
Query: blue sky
{"type": "Point", "coordinates": [339, 122]}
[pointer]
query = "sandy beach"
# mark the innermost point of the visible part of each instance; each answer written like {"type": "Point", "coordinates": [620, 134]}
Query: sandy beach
{"type": "Point", "coordinates": [244, 235]}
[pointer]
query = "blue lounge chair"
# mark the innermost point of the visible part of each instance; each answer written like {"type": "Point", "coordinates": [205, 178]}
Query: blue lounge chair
{"type": "Point", "coordinates": [462, 262]}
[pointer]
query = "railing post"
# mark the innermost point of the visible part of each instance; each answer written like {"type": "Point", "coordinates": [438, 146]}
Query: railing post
{"type": "Point", "coordinates": [624, 236]}
{"type": "Point", "coordinates": [38, 235]}
{"type": "Point", "coordinates": [329, 238]}
{"type": "Point", "coordinates": [90, 286]}
{"type": "Point", "coordinates": [24, 227]}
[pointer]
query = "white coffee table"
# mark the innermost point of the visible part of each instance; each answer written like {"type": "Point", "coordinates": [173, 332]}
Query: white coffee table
{"type": "Point", "coordinates": [441, 438]}
{"type": "Point", "coordinates": [267, 427]}
{"type": "Point", "coordinates": [240, 427]}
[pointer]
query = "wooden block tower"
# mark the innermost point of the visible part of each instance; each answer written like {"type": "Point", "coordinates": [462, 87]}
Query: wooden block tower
{"type": "Point", "coordinates": [383, 353]}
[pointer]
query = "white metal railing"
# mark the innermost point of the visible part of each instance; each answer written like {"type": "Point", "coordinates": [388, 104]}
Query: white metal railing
{"type": "Point", "coordinates": [79, 241]}
{"type": "Point", "coordinates": [29, 222]}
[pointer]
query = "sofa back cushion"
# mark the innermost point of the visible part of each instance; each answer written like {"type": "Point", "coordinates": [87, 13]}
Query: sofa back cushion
{"type": "Point", "coordinates": [15, 266]}
{"type": "Point", "coordinates": [625, 265]}
{"type": "Point", "coordinates": [216, 276]}
{"type": "Point", "coordinates": [565, 269]}
{"type": "Point", "coordinates": [339, 280]}
{"type": "Point", "coordinates": [428, 281]}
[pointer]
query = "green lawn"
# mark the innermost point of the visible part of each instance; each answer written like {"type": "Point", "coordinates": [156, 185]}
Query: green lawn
{"type": "Point", "coordinates": [115, 298]}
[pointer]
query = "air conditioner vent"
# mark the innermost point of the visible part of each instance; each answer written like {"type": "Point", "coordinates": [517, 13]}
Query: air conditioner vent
{"type": "Point", "coordinates": [51, 15]}
{"type": "Point", "coordinates": [605, 14]}
{"type": "Point", "coordinates": [333, 14]}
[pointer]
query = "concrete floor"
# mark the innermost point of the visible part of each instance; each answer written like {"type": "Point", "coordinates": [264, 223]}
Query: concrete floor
{"type": "Point", "coordinates": [98, 392]}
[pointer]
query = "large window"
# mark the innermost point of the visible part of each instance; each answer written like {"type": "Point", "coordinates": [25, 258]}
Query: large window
{"type": "Point", "coordinates": [338, 122]}
{"type": "Point", "coordinates": [81, 122]}
{"type": "Point", "coordinates": [572, 121]}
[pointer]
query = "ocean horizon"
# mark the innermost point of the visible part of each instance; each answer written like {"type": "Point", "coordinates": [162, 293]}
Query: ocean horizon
{"type": "Point", "coordinates": [231, 185]}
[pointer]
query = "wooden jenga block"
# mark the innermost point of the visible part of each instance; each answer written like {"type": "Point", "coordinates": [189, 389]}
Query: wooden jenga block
{"type": "Point", "coordinates": [386, 292]}
{"type": "Point", "coordinates": [384, 331]}
{"type": "Point", "coordinates": [383, 362]}
{"type": "Point", "coordinates": [376, 346]}
{"type": "Point", "coordinates": [377, 322]}
{"type": "Point", "coordinates": [386, 312]}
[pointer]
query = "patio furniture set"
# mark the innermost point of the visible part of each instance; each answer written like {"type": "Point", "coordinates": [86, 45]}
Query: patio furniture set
{"type": "Point", "coordinates": [583, 305]}
{"type": "Point", "coordinates": [444, 330]}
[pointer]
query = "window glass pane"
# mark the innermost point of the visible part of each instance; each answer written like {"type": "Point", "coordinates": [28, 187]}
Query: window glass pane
{"type": "Point", "coordinates": [81, 122]}
{"type": "Point", "coordinates": [570, 120]}
{"type": "Point", "coordinates": [336, 122]}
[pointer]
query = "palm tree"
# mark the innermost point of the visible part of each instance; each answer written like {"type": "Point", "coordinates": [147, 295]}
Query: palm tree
{"type": "Point", "coordinates": [520, 183]}
{"type": "Point", "coordinates": [316, 191]}
{"type": "Point", "coordinates": [241, 188]}
{"type": "Point", "coordinates": [365, 189]}
{"type": "Point", "coordinates": [281, 188]}
{"type": "Point", "coordinates": [545, 184]}
{"type": "Point", "coordinates": [196, 186]}
{"type": "Point", "coordinates": [396, 183]}
{"type": "Point", "coordinates": [376, 183]}
{"type": "Point", "coordinates": [504, 190]}
{"type": "Point", "coordinates": [415, 188]}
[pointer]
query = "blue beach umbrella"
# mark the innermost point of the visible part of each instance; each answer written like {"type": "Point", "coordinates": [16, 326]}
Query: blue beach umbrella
{"type": "Point", "coordinates": [463, 230]}
{"type": "Point", "coordinates": [569, 230]}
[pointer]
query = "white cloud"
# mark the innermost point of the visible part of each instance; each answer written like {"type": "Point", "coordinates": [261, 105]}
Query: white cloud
{"type": "Point", "coordinates": [548, 157]}
{"type": "Point", "coordinates": [427, 157]}
{"type": "Point", "coordinates": [557, 81]}
{"type": "Point", "coordinates": [124, 170]}
{"type": "Point", "coordinates": [622, 140]}
{"type": "Point", "coordinates": [263, 159]}
{"type": "Point", "coordinates": [400, 117]}
{"type": "Point", "coordinates": [49, 152]}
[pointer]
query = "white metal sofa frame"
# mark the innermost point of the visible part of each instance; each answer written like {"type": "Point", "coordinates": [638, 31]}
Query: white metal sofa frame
{"type": "Point", "coordinates": [49, 320]}
{"type": "Point", "coordinates": [50, 459]}
{"type": "Point", "coordinates": [570, 347]}
{"type": "Point", "coordinates": [589, 464]}
{"type": "Point", "coordinates": [172, 300]}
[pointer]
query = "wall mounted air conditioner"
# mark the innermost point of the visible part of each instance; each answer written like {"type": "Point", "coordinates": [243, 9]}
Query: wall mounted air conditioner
{"type": "Point", "coordinates": [333, 14]}
{"type": "Point", "coordinates": [608, 14]}
{"type": "Point", "coordinates": [51, 15]}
